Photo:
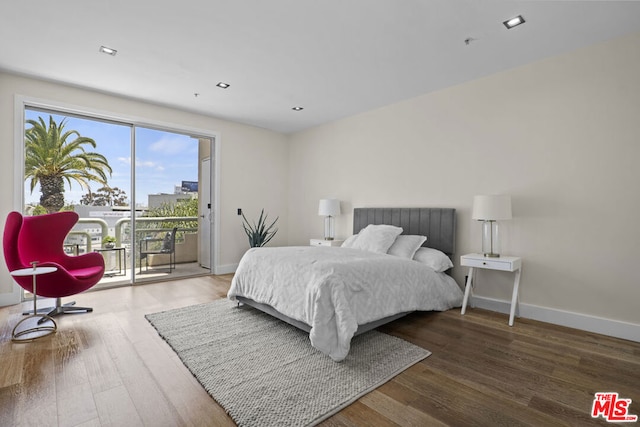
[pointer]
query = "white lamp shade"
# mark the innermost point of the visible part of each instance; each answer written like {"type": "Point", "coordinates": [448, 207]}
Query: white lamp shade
{"type": "Point", "coordinates": [329, 207]}
{"type": "Point", "coordinates": [493, 208]}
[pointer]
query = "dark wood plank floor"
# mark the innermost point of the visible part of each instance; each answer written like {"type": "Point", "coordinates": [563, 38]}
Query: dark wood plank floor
{"type": "Point", "coordinates": [110, 368]}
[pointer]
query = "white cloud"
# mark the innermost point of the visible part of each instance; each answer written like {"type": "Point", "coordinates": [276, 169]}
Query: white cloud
{"type": "Point", "coordinates": [142, 163]}
{"type": "Point", "coordinates": [171, 145]}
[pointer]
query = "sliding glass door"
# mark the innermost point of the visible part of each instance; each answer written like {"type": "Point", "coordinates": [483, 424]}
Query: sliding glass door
{"type": "Point", "coordinates": [81, 164]}
{"type": "Point", "coordinates": [138, 191]}
{"type": "Point", "coordinates": [168, 190]}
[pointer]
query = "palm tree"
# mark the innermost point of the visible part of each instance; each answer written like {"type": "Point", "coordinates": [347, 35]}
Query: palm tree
{"type": "Point", "coordinates": [53, 155]}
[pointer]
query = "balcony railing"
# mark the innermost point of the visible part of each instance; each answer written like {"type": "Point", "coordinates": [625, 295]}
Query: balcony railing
{"type": "Point", "coordinates": [123, 234]}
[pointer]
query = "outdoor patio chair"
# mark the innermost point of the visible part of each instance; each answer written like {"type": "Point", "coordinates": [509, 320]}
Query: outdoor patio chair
{"type": "Point", "coordinates": [168, 247]}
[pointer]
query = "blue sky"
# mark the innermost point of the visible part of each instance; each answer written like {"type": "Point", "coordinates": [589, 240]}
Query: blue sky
{"type": "Point", "coordinates": [163, 159]}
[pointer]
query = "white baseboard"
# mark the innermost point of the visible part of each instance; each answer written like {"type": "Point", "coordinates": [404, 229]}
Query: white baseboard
{"type": "Point", "coordinates": [226, 269]}
{"type": "Point", "coordinates": [585, 322]}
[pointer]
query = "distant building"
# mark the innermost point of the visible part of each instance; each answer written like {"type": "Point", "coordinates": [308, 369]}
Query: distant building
{"type": "Point", "coordinates": [186, 191]}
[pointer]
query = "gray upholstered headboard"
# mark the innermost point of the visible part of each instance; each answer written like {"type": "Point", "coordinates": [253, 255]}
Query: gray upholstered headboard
{"type": "Point", "coordinates": [438, 224]}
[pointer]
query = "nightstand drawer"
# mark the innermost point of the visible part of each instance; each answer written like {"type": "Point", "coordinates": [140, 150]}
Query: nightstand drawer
{"type": "Point", "coordinates": [503, 264]}
{"type": "Point", "coordinates": [322, 242]}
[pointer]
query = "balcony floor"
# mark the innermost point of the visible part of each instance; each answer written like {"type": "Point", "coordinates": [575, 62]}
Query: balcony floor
{"type": "Point", "coordinates": [113, 277]}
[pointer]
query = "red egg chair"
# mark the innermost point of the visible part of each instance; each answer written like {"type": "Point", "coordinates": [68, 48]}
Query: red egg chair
{"type": "Point", "coordinates": [40, 238]}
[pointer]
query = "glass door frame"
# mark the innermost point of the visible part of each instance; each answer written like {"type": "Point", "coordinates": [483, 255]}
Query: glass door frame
{"type": "Point", "coordinates": [23, 102]}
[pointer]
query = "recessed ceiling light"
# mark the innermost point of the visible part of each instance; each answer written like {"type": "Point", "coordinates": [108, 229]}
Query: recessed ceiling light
{"type": "Point", "coordinates": [108, 50]}
{"type": "Point", "coordinates": [514, 22]}
{"type": "Point", "coordinates": [223, 85]}
{"type": "Point", "coordinates": [298, 108]}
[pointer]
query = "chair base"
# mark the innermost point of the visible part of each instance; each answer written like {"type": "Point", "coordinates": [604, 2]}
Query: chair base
{"type": "Point", "coordinates": [40, 330]}
{"type": "Point", "coordinates": [60, 308]}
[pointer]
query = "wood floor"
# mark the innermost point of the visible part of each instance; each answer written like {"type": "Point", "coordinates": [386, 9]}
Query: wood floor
{"type": "Point", "coordinates": [110, 368]}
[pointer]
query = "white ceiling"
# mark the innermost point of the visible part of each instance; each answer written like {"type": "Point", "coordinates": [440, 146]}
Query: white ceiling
{"type": "Point", "coordinates": [335, 58]}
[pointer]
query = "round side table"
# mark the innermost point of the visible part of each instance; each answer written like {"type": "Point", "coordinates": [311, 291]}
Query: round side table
{"type": "Point", "coordinates": [44, 325]}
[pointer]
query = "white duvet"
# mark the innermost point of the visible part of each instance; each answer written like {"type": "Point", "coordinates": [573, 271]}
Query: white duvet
{"type": "Point", "coordinates": [336, 289]}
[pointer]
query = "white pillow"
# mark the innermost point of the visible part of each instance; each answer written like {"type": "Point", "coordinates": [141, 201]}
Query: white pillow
{"type": "Point", "coordinates": [348, 243]}
{"type": "Point", "coordinates": [433, 258]}
{"type": "Point", "coordinates": [406, 246]}
{"type": "Point", "coordinates": [377, 238]}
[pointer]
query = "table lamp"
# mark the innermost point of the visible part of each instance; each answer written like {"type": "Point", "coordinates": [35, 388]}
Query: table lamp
{"type": "Point", "coordinates": [329, 208]}
{"type": "Point", "coordinates": [491, 209]}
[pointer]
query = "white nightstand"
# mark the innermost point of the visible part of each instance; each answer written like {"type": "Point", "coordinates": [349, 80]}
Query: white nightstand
{"type": "Point", "coordinates": [322, 242]}
{"type": "Point", "coordinates": [503, 263]}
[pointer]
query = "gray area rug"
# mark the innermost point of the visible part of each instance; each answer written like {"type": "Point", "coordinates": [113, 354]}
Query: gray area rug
{"type": "Point", "coordinates": [264, 372]}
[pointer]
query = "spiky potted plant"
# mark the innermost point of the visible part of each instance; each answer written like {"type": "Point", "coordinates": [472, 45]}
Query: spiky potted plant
{"type": "Point", "coordinates": [259, 233]}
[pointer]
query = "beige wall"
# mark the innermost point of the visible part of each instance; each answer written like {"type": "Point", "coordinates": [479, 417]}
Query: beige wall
{"type": "Point", "coordinates": [561, 136]}
{"type": "Point", "coordinates": [254, 161]}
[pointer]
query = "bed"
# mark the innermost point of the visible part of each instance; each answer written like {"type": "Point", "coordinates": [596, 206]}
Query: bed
{"type": "Point", "coordinates": [334, 293]}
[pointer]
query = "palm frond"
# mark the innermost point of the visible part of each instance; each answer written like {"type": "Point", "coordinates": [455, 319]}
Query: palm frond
{"type": "Point", "coordinates": [51, 152]}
